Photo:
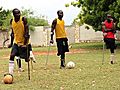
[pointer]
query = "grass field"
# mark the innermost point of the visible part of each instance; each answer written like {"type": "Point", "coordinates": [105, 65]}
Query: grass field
{"type": "Point", "coordinates": [88, 74]}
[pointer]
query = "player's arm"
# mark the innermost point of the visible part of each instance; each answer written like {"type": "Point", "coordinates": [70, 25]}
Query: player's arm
{"type": "Point", "coordinates": [52, 29]}
{"type": "Point", "coordinates": [104, 27]}
{"type": "Point", "coordinates": [114, 27]}
{"type": "Point", "coordinates": [26, 28]}
{"type": "Point", "coordinates": [11, 35]}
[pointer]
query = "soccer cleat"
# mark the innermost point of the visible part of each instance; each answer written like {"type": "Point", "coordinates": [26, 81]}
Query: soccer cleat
{"type": "Point", "coordinates": [62, 67]}
{"type": "Point", "coordinates": [33, 59]}
{"type": "Point", "coordinates": [111, 62]}
{"type": "Point", "coordinates": [58, 54]}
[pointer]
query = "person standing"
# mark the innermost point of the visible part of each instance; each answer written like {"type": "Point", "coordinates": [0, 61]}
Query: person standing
{"type": "Point", "coordinates": [58, 25]}
{"type": "Point", "coordinates": [20, 37]}
{"type": "Point", "coordinates": [108, 28]}
{"type": "Point", "coordinates": [18, 59]}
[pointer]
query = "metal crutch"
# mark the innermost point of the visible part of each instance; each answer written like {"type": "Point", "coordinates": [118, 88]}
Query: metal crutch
{"type": "Point", "coordinates": [47, 55]}
{"type": "Point", "coordinates": [103, 52]}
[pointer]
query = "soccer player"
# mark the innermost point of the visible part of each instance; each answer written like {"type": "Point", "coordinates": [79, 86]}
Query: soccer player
{"type": "Point", "coordinates": [108, 28]}
{"type": "Point", "coordinates": [20, 34]}
{"type": "Point", "coordinates": [61, 38]}
{"type": "Point", "coordinates": [18, 59]}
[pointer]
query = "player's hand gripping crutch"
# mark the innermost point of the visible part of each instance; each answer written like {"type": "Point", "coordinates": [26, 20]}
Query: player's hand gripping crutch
{"type": "Point", "coordinates": [32, 59]}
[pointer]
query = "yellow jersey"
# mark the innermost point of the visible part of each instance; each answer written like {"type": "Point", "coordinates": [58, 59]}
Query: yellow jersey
{"type": "Point", "coordinates": [18, 30]}
{"type": "Point", "coordinates": [60, 29]}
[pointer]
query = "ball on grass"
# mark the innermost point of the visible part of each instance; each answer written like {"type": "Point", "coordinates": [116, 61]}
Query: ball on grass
{"type": "Point", "coordinates": [70, 65]}
{"type": "Point", "coordinates": [8, 79]}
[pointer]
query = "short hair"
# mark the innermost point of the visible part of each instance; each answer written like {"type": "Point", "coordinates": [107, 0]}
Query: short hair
{"type": "Point", "coordinates": [15, 10]}
{"type": "Point", "coordinates": [59, 11]}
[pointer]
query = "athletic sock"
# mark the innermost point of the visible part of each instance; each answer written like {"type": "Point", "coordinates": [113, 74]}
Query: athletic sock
{"type": "Point", "coordinates": [112, 57]}
{"type": "Point", "coordinates": [11, 67]}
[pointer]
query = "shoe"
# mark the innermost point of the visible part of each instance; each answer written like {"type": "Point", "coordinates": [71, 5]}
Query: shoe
{"type": "Point", "coordinates": [62, 67]}
{"type": "Point", "coordinates": [33, 59]}
{"type": "Point", "coordinates": [58, 54]}
{"type": "Point", "coordinates": [111, 62]}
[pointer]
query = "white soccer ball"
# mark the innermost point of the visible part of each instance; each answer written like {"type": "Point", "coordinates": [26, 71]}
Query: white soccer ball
{"type": "Point", "coordinates": [70, 65]}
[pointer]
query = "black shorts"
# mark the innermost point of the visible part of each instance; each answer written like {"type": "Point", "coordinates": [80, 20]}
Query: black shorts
{"type": "Point", "coordinates": [110, 43]}
{"type": "Point", "coordinates": [22, 52]}
{"type": "Point", "coordinates": [62, 45]}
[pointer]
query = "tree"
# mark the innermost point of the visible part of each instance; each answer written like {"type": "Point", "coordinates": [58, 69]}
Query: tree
{"type": "Point", "coordinates": [34, 20]}
{"type": "Point", "coordinates": [93, 12]}
{"type": "Point", "coordinates": [6, 15]}
{"type": "Point", "coordinates": [37, 21]}
{"type": "Point", "coordinates": [4, 18]}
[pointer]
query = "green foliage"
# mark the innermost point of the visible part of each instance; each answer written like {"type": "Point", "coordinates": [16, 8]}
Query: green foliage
{"type": "Point", "coordinates": [6, 15]}
{"type": "Point", "coordinates": [26, 12]}
{"type": "Point", "coordinates": [37, 21]}
{"type": "Point", "coordinates": [32, 28]}
{"type": "Point", "coordinates": [66, 5]}
{"type": "Point", "coordinates": [4, 18]}
{"type": "Point", "coordinates": [93, 12]}
{"type": "Point", "coordinates": [34, 20]}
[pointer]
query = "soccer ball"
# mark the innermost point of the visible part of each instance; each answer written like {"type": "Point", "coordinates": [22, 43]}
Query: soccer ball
{"type": "Point", "coordinates": [8, 79]}
{"type": "Point", "coordinates": [70, 65]}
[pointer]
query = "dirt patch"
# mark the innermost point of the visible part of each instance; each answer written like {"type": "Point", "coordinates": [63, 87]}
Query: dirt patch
{"type": "Point", "coordinates": [73, 51]}
{"type": "Point", "coordinates": [55, 52]}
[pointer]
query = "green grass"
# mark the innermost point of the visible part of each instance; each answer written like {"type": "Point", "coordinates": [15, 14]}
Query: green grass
{"type": "Point", "coordinates": [89, 73]}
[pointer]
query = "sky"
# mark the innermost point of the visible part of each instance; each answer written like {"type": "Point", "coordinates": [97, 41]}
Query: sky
{"type": "Point", "coordinates": [47, 8]}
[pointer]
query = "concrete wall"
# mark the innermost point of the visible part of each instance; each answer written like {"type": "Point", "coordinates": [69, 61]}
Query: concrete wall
{"type": "Point", "coordinates": [89, 34]}
{"type": "Point", "coordinates": [75, 34]}
{"type": "Point", "coordinates": [3, 36]}
{"type": "Point", "coordinates": [70, 30]}
{"type": "Point", "coordinates": [38, 37]}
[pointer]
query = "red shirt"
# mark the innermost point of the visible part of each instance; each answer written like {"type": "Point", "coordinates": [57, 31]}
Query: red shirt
{"type": "Point", "coordinates": [108, 26]}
